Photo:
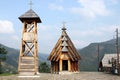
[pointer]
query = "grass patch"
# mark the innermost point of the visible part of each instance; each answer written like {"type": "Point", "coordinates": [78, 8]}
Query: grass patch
{"type": "Point", "coordinates": [6, 74]}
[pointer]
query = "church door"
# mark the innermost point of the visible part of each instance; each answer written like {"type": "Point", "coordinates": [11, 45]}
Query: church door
{"type": "Point", "coordinates": [65, 65]}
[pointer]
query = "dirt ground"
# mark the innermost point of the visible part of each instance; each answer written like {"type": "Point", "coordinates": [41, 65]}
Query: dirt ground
{"type": "Point", "coordinates": [78, 76]}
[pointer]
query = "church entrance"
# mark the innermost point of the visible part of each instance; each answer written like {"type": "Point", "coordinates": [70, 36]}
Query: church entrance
{"type": "Point", "coordinates": [65, 65]}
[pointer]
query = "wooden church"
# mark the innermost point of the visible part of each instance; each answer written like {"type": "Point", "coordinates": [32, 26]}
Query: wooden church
{"type": "Point", "coordinates": [64, 56]}
{"type": "Point", "coordinates": [28, 57]}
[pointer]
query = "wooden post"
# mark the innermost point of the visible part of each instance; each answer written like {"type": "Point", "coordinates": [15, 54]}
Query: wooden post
{"type": "Point", "coordinates": [75, 66]}
{"type": "Point", "coordinates": [117, 49]}
{"type": "Point", "coordinates": [51, 67]}
{"type": "Point", "coordinates": [69, 65]}
{"type": "Point", "coordinates": [78, 66]}
{"type": "Point", "coordinates": [57, 66]}
{"type": "Point", "coordinates": [36, 47]}
{"type": "Point", "coordinates": [60, 65]}
{"type": "Point", "coordinates": [98, 57]}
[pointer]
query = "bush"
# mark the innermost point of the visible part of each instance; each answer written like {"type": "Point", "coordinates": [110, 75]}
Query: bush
{"type": "Point", "coordinates": [44, 67]}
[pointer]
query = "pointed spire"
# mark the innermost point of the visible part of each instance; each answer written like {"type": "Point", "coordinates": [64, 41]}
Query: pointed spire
{"type": "Point", "coordinates": [30, 4]}
{"type": "Point", "coordinates": [64, 26]}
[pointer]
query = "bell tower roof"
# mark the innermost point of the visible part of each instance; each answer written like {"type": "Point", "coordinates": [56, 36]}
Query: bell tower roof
{"type": "Point", "coordinates": [29, 16]}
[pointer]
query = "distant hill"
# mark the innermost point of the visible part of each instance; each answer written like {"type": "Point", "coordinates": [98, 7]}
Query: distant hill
{"type": "Point", "coordinates": [11, 63]}
{"type": "Point", "coordinates": [89, 54]}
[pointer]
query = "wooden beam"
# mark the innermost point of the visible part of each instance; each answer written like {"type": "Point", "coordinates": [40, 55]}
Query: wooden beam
{"type": "Point", "coordinates": [27, 46]}
{"type": "Point", "coordinates": [50, 57]}
{"type": "Point", "coordinates": [69, 65]}
{"type": "Point", "coordinates": [60, 64]}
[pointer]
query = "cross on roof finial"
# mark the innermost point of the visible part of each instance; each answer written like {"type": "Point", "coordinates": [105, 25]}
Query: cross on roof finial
{"type": "Point", "coordinates": [30, 4]}
{"type": "Point", "coordinates": [64, 23]}
{"type": "Point", "coordinates": [64, 26]}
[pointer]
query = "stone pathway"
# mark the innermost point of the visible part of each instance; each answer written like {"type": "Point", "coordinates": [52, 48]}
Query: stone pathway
{"type": "Point", "coordinates": [79, 76]}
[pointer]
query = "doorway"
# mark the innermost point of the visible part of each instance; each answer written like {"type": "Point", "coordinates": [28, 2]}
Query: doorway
{"type": "Point", "coordinates": [65, 65]}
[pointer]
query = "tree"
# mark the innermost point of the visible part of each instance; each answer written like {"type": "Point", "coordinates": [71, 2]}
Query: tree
{"type": "Point", "coordinates": [3, 53]}
{"type": "Point", "coordinates": [44, 67]}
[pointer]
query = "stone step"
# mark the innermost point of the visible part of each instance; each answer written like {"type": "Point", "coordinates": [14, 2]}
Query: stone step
{"type": "Point", "coordinates": [27, 60]}
{"type": "Point", "coordinates": [27, 66]}
{"type": "Point", "coordinates": [26, 73]}
{"type": "Point", "coordinates": [27, 70]}
{"type": "Point", "coordinates": [65, 72]}
{"type": "Point", "coordinates": [30, 58]}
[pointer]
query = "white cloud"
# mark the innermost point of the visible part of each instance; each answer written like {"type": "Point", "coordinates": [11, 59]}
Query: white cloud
{"type": "Point", "coordinates": [6, 26]}
{"type": "Point", "coordinates": [82, 38]}
{"type": "Point", "coordinates": [47, 37]}
{"type": "Point", "coordinates": [108, 29]}
{"type": "Point", "coordinates": [79, 43]}
{"type": "Point", "coordinates": [113, 1]}
{"type": "Point", "coordinates": [55, 7]}
{"type": "Point", "coordinates": [43, 27]}
{"type": "Point", "coordinates": [15, 37]}
{"type": "Point", "coordinates": [96, 31]}
{"type": "Point", "coordinates": [91, 9]}
{"type": "Point", "coordinates": [59, 0]}
{"type": "Point", "coordinates": [87, 33]}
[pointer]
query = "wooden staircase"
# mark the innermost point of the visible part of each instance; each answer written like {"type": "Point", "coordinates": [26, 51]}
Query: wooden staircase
{"type": "Point", "coordinates": [27, 66]}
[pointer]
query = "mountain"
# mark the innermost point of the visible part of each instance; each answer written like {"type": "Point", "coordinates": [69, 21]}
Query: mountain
{"type": "Point", "coordinates": [11, 63]}
{"type": "Point", "coordinates": [89, 54]}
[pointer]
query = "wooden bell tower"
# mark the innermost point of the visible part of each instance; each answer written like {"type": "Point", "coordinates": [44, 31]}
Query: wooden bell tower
{"type": "Point", "coordinates": [28, 57]}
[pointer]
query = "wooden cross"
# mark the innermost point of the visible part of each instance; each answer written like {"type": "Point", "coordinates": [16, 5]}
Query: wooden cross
{"type": "Point", "coordinates": [30, 4]}
{"type": "Point", "coordinates": [64, 24]}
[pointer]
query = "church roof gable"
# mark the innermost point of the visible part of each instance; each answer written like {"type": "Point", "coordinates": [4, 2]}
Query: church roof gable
{"type": "Point", "coordinates": [63, 46]}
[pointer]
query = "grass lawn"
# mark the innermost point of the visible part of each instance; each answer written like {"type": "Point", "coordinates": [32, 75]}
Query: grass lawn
{"type": "Point", "coordinates": [6, 74]}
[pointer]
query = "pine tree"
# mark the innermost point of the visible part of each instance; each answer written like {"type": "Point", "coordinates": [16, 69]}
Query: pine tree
{"type": "Point", "coordinates": [3, 53]}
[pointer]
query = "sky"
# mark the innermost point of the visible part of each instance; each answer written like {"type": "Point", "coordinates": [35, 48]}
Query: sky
{"type": "Point", "coordinates": [87, 21]}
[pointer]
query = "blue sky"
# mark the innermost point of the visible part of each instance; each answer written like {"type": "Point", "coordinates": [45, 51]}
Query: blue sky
{"type": "Point", "coordinates": [87, 21]}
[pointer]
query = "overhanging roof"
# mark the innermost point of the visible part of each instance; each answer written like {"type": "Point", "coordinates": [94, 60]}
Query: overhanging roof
{"type": "Point", "coordinates": [64, 45]}
{"type": "Point", "coordinates": [107, 59]}
{"type": "Point", "coordinates": [30, 15]}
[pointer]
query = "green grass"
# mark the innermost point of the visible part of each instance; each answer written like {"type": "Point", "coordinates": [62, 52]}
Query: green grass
{"type": "Point", "coordinates": [6, 74]}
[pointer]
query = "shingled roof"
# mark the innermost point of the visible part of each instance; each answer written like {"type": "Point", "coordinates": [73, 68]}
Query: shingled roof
{"type": "Point", "coordinates": [64, 45]}
{"type": "Point", "coordinates": [107, 59]}
{"type": "Point", "coordinates": [30, 15]}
